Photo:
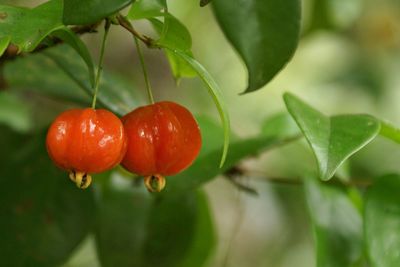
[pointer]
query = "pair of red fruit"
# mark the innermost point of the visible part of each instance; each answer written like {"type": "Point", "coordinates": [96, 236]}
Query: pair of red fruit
{"type": "Point", "coordinates": [153, 141]}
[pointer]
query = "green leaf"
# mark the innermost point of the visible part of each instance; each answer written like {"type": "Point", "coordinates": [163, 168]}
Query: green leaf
{"type": "Point", "coordinates": [179, 67]}
{"type": "Point", "coordinates": [175, 35]}
{"type": "Point", "coordinates": [73, 40]}
{"type": "Point", "coordinates": [214, 91]}
{"type": "Point", "coordinates": [28, 28]}
{"type": "Point", "coordinates": [332, 139]}
{"type": "Point", "coordinates": [144, 9]}
{"type": "Point", "coordinates": [4, 42]}
{"type": "Point", "coordinates": [10, 17]}
{"type": "Point", "coordinates": [44, 216]}
{"type": "Point", "coordinates": [382, 222]}
{"type": "Point", "coordinates": [136, 229]}
{"type": "Point", "coordinates": [390, 132]}
{"type": "Point", "coordinates": [77, 12]}
{"type": "Point", "coordinates": [336, 223]}
{"type": "Point", "coordinates": [60, 72]}
{"type": "Point", "coordinates": [264, 33]}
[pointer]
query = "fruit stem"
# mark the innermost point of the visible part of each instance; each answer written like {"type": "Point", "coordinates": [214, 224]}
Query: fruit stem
{"type": "Point", "coordinates": [144, 69]}
{"type": "Point", "coordinates": [100, 67]}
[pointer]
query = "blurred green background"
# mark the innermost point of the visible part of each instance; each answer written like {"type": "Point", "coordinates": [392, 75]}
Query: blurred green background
{"type": "Point", "coordinates": [348, 61]}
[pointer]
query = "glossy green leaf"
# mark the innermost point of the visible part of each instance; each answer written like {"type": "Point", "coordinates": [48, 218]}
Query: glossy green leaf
{"type": "Point", "coordinates": [73, 40]}
{"type": "Point", "coordinates": [382, 222]}
{"type": "Point", "coordinates": [28, 27]}
{"type": "Point", "coordinates": [264, 33]}
{"type": "Point", "coordinates": [10, 17]}
{"type": "Point", "coordinates": [179, 67]}
{"type": "Point", "coordinates": [136, 229]}
{"type": "Point", "coordinates": [4, 42]}
{"type": "Point", "coordinates": [175, 35]}
{"type": "Point", "coordinates": [43, 215]}
{"type": "Point", "coordinates": [144, 9]}
{"type": "Point", "coordinates": [337, 225]}
{"type": "Point", "coordinates": [60, 72]}
{"type": "Point", "coordinates": [216, 94]}
{"type": "Point", "coordinates": [77, 12]}
{"type": "Point", "coordinates": [332, 139]}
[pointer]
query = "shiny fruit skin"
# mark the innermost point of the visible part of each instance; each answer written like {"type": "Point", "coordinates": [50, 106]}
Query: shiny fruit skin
{"type": "Point", "coordinates": [163, 138]}
{"type": "Point", "coordinates": [86, 140]}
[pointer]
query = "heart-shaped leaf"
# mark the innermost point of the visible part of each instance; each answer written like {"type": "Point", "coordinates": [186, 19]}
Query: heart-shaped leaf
{"type": "Point", "coordinates": [332, 139]}
{"type": "Point", "coordinates": [382, 222]}
{"type": "Point", "coordinates": [336, 223]}
{"type": "Point", "coordinates": [265, 34]}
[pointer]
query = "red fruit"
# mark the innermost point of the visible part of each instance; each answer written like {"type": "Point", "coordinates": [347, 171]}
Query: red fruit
{"type": "Point", "coordinates": [163, 140]}
{"type": "Point", "coordinates": [84, 141]}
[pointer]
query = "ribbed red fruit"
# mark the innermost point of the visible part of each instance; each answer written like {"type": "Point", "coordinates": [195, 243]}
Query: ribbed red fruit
{"type": "Point", "coordinates": [84, 141]}
{"type": "Point", "coordinates": [163, 139]}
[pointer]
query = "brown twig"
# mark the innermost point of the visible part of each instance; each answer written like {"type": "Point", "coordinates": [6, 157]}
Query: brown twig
{"type": "Point", "coordinates": [237, 172]}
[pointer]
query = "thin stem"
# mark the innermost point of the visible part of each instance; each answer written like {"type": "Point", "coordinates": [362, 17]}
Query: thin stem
{"type": "Point", "coordinates": [128, 26]}
{"type": "Point", "coordinates": [100, 67]}
{"type": "Point", "coordinates": [144, 69]}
